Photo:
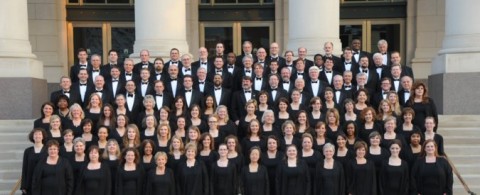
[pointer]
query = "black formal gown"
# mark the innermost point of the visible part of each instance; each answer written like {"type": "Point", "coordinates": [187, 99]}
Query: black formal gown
{"type": "Point", "coordinates": [223, 180]}
{"type": "Point", "coordinates": [394, 180]}
{"type": "Point", "coordinates": [208, 160]}
{"type": "Point", "coordinates": [113, 166]}
{"type": "Point", "coordinates": [311, 163]}
{"type": "Point", "coordinates": [345, 160]}
{"type": "Point", "coordinates": [247, 144]}
{"type": "Point", "coordinates": [364, 133]}
{"type": "Point", "coordinates": [271, 164]}
{"type": "Point", "coordinates": [160, 184]}
{"type": "Point", "coordinates": [30, 161]}
{"type": "Point", "coordinates": [422, 111]}
{"type": "Point", "coordinates": [52, 179]}
{"type": "Point", "coordinates": [173, 163]}
{"type": "Point", "coordinates": [329, 181]}
{"type": "Point", "coordinates": [361, 178]}
{"type": "Point", "coordinates": [254, 183]}
{"type": "Point", "coordinates": [293, 180]}
{"type": "Point", "coordinates": [238, 161]}
{"type": "Point", "coordinates": [115, 135]}
{"type": "Point", "coordinates": [319, 147]}
{"type": "Point", "coordinates": [129, 182]}
{"type": "Point", "coordinates": [192, 180]}
{"type": "Point", "coordinates": [228, 129]}
{"type": "Point", "coordinates": [432, 178]}
{"type": "Point", "coordinates": [147, 166]}
{"type": "Point", "coordinates": [38, 123]}
{"type": "Point", "coordinates": [94, 181]}
{"type": "Point", "coordinates": [77, 166]}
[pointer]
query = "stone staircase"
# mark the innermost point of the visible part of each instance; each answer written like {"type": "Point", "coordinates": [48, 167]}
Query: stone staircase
{"type": "Point", "coordinates": [461, 135]}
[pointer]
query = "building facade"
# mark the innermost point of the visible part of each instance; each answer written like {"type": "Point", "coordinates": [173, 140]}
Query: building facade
{"type": "Point", "coordinates": [55, 29]}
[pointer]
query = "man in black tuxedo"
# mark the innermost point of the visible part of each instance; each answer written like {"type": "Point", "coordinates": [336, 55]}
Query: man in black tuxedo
{"type": "Point", "coordinates": [381, 94]}
{"type": "Point", "coordinates": [328, 73]}
{"type": "Point", "coordinates": [406, 91]}
{"type": "Point", "coordinates": [275, 54]}
{"type": "Point", "coordinates": [187, 68]}
{"type": "Point", "coordinates": [318, 61]}
{"type": "Point", "coordinates": [112, 61]}
{"type": "Point", "coordinates": [396, 59]}
{"type": "Point", "coordinates": [395, 75]}
{"type": "Point", "coordinates": [357, 51]}
{"type": "Point", "coordinates": [246, 70]}
{"type": "Point", "coordinates": [259, 83]}
{"type": "Point", "coordinates": [65, 85]}
{"type": "Point", "coordinates": [262, 57]}
{"type": "Point", "coordinates": [286, 83]}
{"type": "Point", "coordinates": [382, 46]}
{"type": "Point", "coordinates": [361, 80]}
{"type": "Point", "coordinates": [305, 95]}
{"type": "Point", "coordinates": [241, 97]}
{"type": "Point", "coordinates": [128, 73]}
{"type": "Point", "coordinates": [289, 61]}
{"type": "Point", "coordinates": [347, 81]}
{"type": "Point", "coordinates": [219, 52]}
{"type": "Point", "coordinates": [300, 71]}
{"type": "Point", "coordinates": [382, 70]}
{"type": "Point", "coordinates": [339, 94]}
{"type": "Point", "coordinates": [174, 59]}
{"type": "Point", "coordinates": [231, 67]}
{"type": "Point", "coordinates": [221, 70]}
{"type": "Point", "coordinates": [372, 76]}
{"type": "Point", "coordinates": [273, 68]}
{"type": "Point", "coordinates": [247, 49]}
{"type": "Point", "coordinates": [203, 60]}
{"type": "Point", "coordinates": [133, 101]}
{"type": "Point", "coordinates": [173, 81]}
{"type": "Point", "coordinates": [81, 87]}
{"type": "Point", "coordinates": [162, 98]}
{"type": "Point", "coordinates": [302, 55]}
{"type": "Point", "coordinates": [202, 83]}
{"type": "Point", "coordinates": [82, 64]}
{"type": "Point", "coordinates": [347, 62]}
{"type": "Point", "coordinates": [100, 90]}
{"type": "Point", "coordinates": [328, 48]}
{"type": "Point", "coordinates": [158, 74]}
{"type": "Point", "coordinates": [274, 91]}
{"type": "Point", "coordinates": [115, 85]}
{"type": "Point", "coordinates": [315, 86]}
{"type": "Point", "coordinates": [95, 70]}
{"type": "Point", "coordinates": [144, 86]}
{"type": "Point", "coordinates": [144, 62]}
{"type": "Point", "coordinates": [220, 94]}
{"type": "Point", "coordinates": [192, 96]}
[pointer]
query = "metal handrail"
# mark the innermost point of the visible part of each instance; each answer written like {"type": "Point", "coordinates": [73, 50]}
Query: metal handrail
{"type": "Point", "coordinates": [16, 187]}
{"type": "Point", "coordinates": [454, 169]}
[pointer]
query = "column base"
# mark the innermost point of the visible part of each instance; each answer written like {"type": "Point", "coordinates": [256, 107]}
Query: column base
{"type": "Point", "coordinates": [158, 48]}
{"type": "Point", "coordinates": [461, 62]}
{"type": "Point", "coordinates": [22, 97]}
{"type": "Point", "coordinates": [455, 93]}
{"type": "Point", "coordinates": [315, 46]}
{"type": "Point", "coordinates": [21, 67]}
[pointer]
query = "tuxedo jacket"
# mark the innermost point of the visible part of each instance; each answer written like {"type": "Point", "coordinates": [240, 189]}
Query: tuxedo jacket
{"type": "Point", "coordinates": [321, 88]}
{"type": "Point", "coordinates": [150, 88]}
{"type": "Point", "coordinates": [376, 98]}
{"type": "Point", "coordinates": [75, 69]}
{"type": "Point", "coordinates": [76, 89]}
{"type": "Point", "coordinates": [119, 90]}
{"type": "Point", "coordinates": [290, 86]}
{"type": "Point", "coordinates": [138, 67]}
{"type": "Point", "coordinates": [72, 99]}
{"type": "Point", "coordinates": [264, 83]}
{"type": "Point", "coordinates": [106, 68]}
{"type": "Point", "coordinates": [237, 79]}
{"type": "Point", "coordinates": [273, 102]}
{"type": "Point", "coordinates": [279, 59]}
{"type": "Point", "coordinates": [167, 64]}
{"type": "Point", "coordinates": [225, 97]}
{"type": "Point", "coordinates": [196, 98]}
{"type": "Point", "coordinates": [193, 70]}
{"type": "Point", "coordinates": [389, 59]}
{"type": "Point", "coordinates": [360, 55]}
{"type": "Point", "coordinates": [372, 81]}
{"type": "Point", "coordinates": [341, 67]}
{"type": "Point", "coordinates": [167, 100]}
{"type": "Point", "coordinates": [406, 71]}
{"type": "Point", "coordinates": [308, 64]}
{"type": "Point", "coordinates": [208, 86]}
{"type": "Point", "coordinates": [401, 97]}
{"type": "Point", "coordinates": [137, 106]}
{"type": "Point", "coordinates": [135, 77]}
{"type": "Point", "coordinates": [106, 95]}
{"type": "Point", "coordinates": [227, 77]}
{"type": "Point", "coordinates": [323, 77]}
{"type": "Point", "coordinates": [343, 95]}
{"type": "Point", "coordinates": [294, 75]}
{"type": "Point", "coordinates": [197, 64]}
{"type": "Point", "coordinates": [168, 86]}
{"type": "Point", "coordinates": [239, 102]}
{"type": "Point", "coordinates": [163, 75]}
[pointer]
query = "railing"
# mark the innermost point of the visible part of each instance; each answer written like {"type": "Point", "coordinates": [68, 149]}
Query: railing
{"type": "Point", "coordinates": [16, 187]}
{"type": "Point", "coordinates": [454, 169]}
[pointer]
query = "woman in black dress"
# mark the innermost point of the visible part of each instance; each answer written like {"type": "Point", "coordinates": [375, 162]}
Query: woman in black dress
{"type": "Point", "coordinates": [316, 114]}
{"type": "Point", "coordinates": [102, 138]}
{"type": "Point", "coordinates": [375, 153]}
{"type": "Point", "coordinates": [251, 108]}
{"type": "Point", "coordinates": [282, 114]}
{"type": "Point", "coordinates": [423, 106]}
{"type": "Point", "coordinates": [263, 104]}
{"type": "Point", "coordinates": [349, 114]}
{"type": "Point", "coordinates": [225, 125]}
{"type": "Point", "coordinates": [181, 130]}
{"type": "Point", "coordinates": [289, 130]}
{"type": "Point", "coordinates": [407, 127]}
{"type": "Point", "coordinates": [52, 175]}
{"type": "Point", "coordinates": [223, 176]}
{"type": "Point", "coordinates": [254, 177]}
{"type": "Point", "coordinates": [193, 135]}
{"type": "Point", "coordinates": [209, 105]}
{"type": "Point", "coordinates": [148, 109]}
{"type": "Point", "coordinates": [62, 106]}
{"type": "Point", "coordinates": [164, 114]}
{"type": "Point", "coordinates": [95, 178]}
{"type": "Point", "coordinates": [361, 175]}
{"type": "Point", "coordinates": [93, 110]}
{"type": "Point", "coordinates": [179, 108]}
{"type": "Point", "coordinates": [431, 134]}
{"type": "Point", "coordinates": [271, 159]}
{"type": "Point", "coordinates": [368, 124]}
{"type": "Point", "coordinates": [329, 101]}
{"type": "Point", "coordinates": [333, 123]}
{"type": "Point", "coordinates": [161, 179]}
{"type": "Point", "coordinates": [195, 118]}
{"type": "Point", "coordinates": [55, 130]}
{"type": "Point", "coordinates": [121, 105]}
{"type": "Point", "coordinates": [235, 152]}
{"type": "Point", "coordinates": [350, 130]}
{"type": "Point", "coordinates": [292, 176]}
{"type": "Point", "coordinates": [121, 128]}
{"type": "Point", "coordinates": [88, 136]}
{"type": "Point", "coordinates": [320, 138]}
{"type": "Point", "coordinates": [46, 112]}
{"type": "Point", "coordinates": [108, 117]}
{"type": "Point", "coordinates": [80, 159]}
{"type": "Point", "coordinates": [253, 137]}
{"type": "Point", "coordinates": [206, 151]}
{"type": "Point", "coordinates": [66, 150]}
{"type": "Point", "coordinates": [302, 124]}
{"type": "Point", "coordinates": [329, 174]}
{"type": "Point", "coordinates": [343, 154]}
{"type": "Point", "coordinates": [394, 177]}
{"type": "Point", "coordinates": [385, 110]}
{"type": "Point", "coordinates": [111, 156]}
{"type": "Point", "coordinates": [268, 128]}
{"type": "Point", "coordinates": [149, 124]}
{"type": "Point", "coordinates": [296, 105]}
{"type": "Point", "coordinates": [31, 156]}
{"type": "Point", "coordinates": [191, 174]}
{"type": "Point", "coordinates": [74, 119]}
{"type": "Point", "coordinates": [132, 138]}
{"type": "Point", "coordinates": [130, 175]}
{"type": "Point", "coordinates": [176, 153]}
{"type": "Point", "coordinates": [162, 138]}
{"type": "Point", "coordinates": [147, 149]}
{"type": "Point", "coordinates": [431, 174]}
{"type": "Point", "coordinates": [214, 132]}
{"type": "Point", "coordinates": [309, 155]}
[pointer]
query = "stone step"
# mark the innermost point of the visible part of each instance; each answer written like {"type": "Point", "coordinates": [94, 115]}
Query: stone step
{"type": "Point", "coordinates": [460, 140]}
{"type": "Point", "coordinates": [464, 159]}
{"type": "Point", "coordinates": [11, 165]}
{"type": "Point", "coordinates": [13, 145]}
{"type": "Point", "coordinates": [10, 173]}
{"type": "Point", "coordinates": [7, 184]}
{"type": "Point", "coordinates": [459, 131]}
{"type": "Point", "coordinates": [462, 149]}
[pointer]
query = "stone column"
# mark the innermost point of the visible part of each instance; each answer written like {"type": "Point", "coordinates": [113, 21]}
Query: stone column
{"type": "Point", "coordinates": [455, 71]}
{"type": "Point", "coordinates": [159, 26]}
{"type": "Point", "coordinates": [312, 23]}
{"type": "Point", "coordinates": [21, 75]}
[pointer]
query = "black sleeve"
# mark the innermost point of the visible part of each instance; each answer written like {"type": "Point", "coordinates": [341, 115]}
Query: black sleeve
{"type": "Point", "coordinates": [69, 179]}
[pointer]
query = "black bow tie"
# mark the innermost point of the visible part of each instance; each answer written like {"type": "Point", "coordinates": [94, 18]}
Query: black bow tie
{"type": "Point", "coordinates": [204, 63]}
{"type": "Point", "coordinates": [144, 83]}
{"type": "Point", "coordinates": [385, 93]}
{"type": "Point", "coordinates": [289, 65]}
{"type": "Point", "coordinates": [261, 62]}
{"type": "Point", "coordinates": [173, 79]}
{"type": "Point", "coordinates": [328, 71]}
{"type": "Point", "coordinates": [407, 91]}
{"type": "Point", "coordinates": [364, 71]}
{"type": "Point", "coordinates": [355, 52]}
{"type": "Point", "coordinates": [130, 95]}
{"type": "Point", "coordinates": [348, 63]}
{"type": "Point", "coordinates": [229, 66]}
{"type": "Point", "coordinates": [95, 70]}
{"type": "Point", "coordinates": [188, 90]}
{"type": "Point", "coordinates": [219, 70]}
{"type": "Point", "coordinates": [115, 80]}
{"type": "Point", "coordinates": [219, 88]}
{"type": "Point", "coordinates": [174, 62]}
{"type": "Point", "coordinates": [396, 79]}
{"type": "Point", "coordinates": [249, 71]}
{"type": "Point", "coordinates": [258, 79]}
{"type": "Point", "coordinates": [187, 69]}
{"type": "Point", "coordinates": [128, 74]}
{"type": "Point", "coordinates": [248, 91]}
{"type": "Point", "coordinates": [201, 83]}
{"type": "Point", "coordinates": [276, 58]}
{"type": "Point", "coordinates": [286, 82]}
{"type": "Point", "coordinates": [314, 81]}
{"type": "Point", "coordinates": [66, 91]}
{"type": "Point", "coordinates": [99, 91]}
{"type": "Point", "coordinates": [83, 84]}
{"type": "Point", "coordinates": [157, 74]}
{"type": "Point", "coordinates": [159, 95]}
{"type": "Point", "coordinates": [300, 73]}
{"type": "Point", "coordinates": [274, 89]}
{"type": "Point", "coordinates": [348, 86]}
{"type": "Point", "coordinates": [384, 53]}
